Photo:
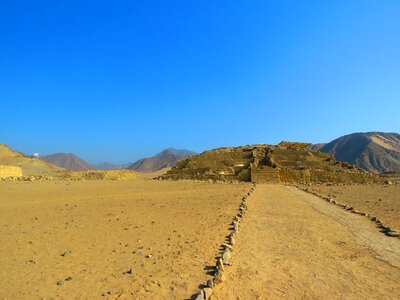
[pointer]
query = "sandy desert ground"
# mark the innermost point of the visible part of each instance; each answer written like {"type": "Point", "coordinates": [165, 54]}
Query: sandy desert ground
{"type": "Point", "coordinates": [121, 239]}
{"type": "Point", "coordinates": [145, 239]}
{"type": "Point", "coordinates": [293, 245]}
{"type": "Point", "coordinates": [379, 200]}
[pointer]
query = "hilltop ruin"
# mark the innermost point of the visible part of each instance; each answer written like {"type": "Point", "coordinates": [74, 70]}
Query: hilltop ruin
{"type": "Point", "coordinates": [287, 162]}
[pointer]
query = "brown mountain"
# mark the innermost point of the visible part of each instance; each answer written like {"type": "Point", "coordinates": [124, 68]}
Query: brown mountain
{"type": "Point", "coordinates": [111, 166]}
{"type": "Point", "coordinates": [67, 161]}
{"type": "Point", "coordinates": [164, 159]}
{"type": "Point", "coordinates": [372, 151]}
{"type": "Point", "coordinates": [317, 147]}
{"type": "Point", "coordinates": [29, 165]}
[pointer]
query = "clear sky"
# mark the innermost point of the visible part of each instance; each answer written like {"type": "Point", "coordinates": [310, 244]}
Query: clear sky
{"type": "Point", "coordinates": [119, 80]}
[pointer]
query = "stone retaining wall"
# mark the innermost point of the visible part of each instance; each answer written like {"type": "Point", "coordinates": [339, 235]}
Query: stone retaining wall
{"type": "Point", "coordinates": [264, 175]}
{"type": "Point", "coordinates": [281, 175]}
{"type": "Point", "coordinates": [323, 176]}
{"type": "Point", "coordinates": [10, 171]}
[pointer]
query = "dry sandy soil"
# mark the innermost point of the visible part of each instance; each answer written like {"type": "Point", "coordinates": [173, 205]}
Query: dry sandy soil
{"type": "Point", "coordinates": [166, 233]}
{"type": "Point", "coordinates": [290, 245]}
{"type": "Point", "coordinates": [378, 200]}
{"type": "Point", "coordinates": [293, 245]}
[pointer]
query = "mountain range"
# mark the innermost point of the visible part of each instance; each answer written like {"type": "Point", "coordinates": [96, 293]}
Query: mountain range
{"type": "Point", "coordinates": [377, 152]}
{"type": "Point", "coordinates": [67, 161]}
{"type": "Point", "coordinates": [165, 159]}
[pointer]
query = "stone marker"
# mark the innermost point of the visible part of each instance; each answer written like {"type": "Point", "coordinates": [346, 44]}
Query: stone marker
{"type": "Point", "coordinates": [210, 283]}
{"type": "Point", "coordinates": [219, 277]}
{"type": "Point", "coordinates": [385, 227]}
{"type": "Point", "coordinates": [392, 233]}
{"type": "Point", "coordinates": [207, 292]}
{"type": "Point", "coordinates": [226, 257]}
{"type": "Point", "coordinates": [220, 265]}
{"type": "Point", "coordinates": [200, 296]}
{"type": "Point", "coordinates": [228, 247]}
{"type": "Point", "coordinates": [66, 253]}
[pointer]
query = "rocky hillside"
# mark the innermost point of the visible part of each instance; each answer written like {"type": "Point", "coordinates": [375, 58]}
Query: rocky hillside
{"type": "Point", "coordinates": [317, 147]}
{"type": "Point", "coordinates": [67, 161]}
{"type": "Point", "coordinates": [372, 151]}
{"type": "Point", "coordinates": [29, 165]}
{"type": "Point", "coordinates": [165, 159]}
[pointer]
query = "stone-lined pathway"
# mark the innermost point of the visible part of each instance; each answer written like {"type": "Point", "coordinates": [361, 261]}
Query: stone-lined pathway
{"type": "Point", "coordinates": [293, 245]}
{"type": "Point", "coordinates": [384, 228]}
{"type": "Point", "coordinates": [224, 260]}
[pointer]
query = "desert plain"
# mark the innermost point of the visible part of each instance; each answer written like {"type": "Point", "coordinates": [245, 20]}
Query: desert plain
{"type": "Point", "coordinates": [153, 239]}
{"type": "Point", "coordinates": [115, 239]}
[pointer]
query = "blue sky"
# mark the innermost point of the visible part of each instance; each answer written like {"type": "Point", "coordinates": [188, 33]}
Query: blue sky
{"type": "Point", "coordinates": [120, 80]}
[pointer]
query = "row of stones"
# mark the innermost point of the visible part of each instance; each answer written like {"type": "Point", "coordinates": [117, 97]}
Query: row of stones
{"type": "Point", "coordinates": [386, 229]}
{"type": "Point", "coordinates": [26, 178]}
{"type": "Point", "coordinates": [226, 256]}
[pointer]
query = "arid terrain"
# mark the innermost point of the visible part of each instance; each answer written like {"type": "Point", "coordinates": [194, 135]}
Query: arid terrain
{"type": "Point", "coordinates": [151, 239]}
{"type": "Point", "coordinates": [200, 150]}
{"type": "Point", "coordinates": [121, 239]}
{"type": "Point", "coordinates": [294, 245]}
{"type": "Point", "coordinates": [382, 201]}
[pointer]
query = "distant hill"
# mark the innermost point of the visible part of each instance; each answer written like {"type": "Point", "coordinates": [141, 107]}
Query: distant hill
{"type": "Point", "coordinates": [111, 166]}
{"type": "Point", "coordinates": [29, 165]}
{"type": "Point", "coordinates": [372, 151]}
{"type": "Point", "coordinates": [164, 159]}
{"type": "Point", "coordinates": [67, 161]}
{"type": "Point", "coordinates": [317, 147]}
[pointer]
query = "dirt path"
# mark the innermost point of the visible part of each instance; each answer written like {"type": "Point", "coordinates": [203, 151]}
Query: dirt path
{"type": "Point", "coordinates": [293, 245]}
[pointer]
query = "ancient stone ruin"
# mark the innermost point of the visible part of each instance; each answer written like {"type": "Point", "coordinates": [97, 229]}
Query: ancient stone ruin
{"type": "Point", "coordinates": [98, 175]}
{"type": "Point", "coordinates": [10, 171]}
{"type": "Point", "coordinates": [287, 162]}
